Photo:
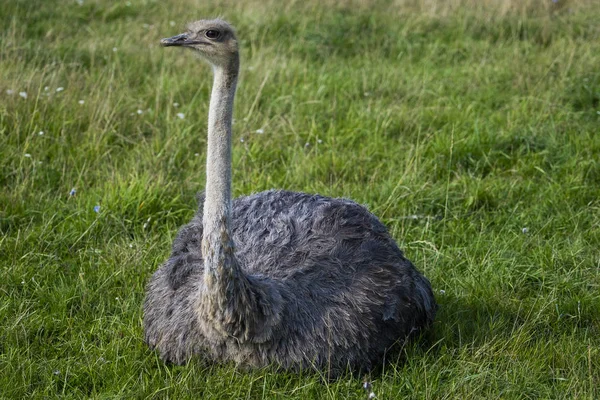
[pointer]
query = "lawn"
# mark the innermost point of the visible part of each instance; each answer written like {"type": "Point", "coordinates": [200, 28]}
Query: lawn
{"type": "Point", "coordinates": [471, 128]}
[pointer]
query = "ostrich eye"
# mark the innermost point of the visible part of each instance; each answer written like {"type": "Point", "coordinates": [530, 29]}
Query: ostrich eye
{"type": "Point", "coordinates": [212, 34]}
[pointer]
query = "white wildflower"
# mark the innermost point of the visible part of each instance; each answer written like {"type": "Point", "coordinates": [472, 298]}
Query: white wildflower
{"type": "Point", "coordinates": [525, 230]}
{"type": "Point", "coordinates": [196, 154]}
{"type": "Point", "coordinates": [319, 141]}
{"type": "Point", "coordinates": [46, 88]}
{"type": "Point", "coordinates": [306, 144]}
{"type": "Point", "coordinates": [175, 105]}
{"type": "Point", "coordinates": [242, 140]}
{"type": "Point", "coordinates": [180, 115]}
{"type": "Point", "coordinates": [172, 23]}
{"type": "Point", "coordinates": [41, 133]}
{"type": "Point", "coordinates": [80, 2]}
{"type": "Point", "coordinates": [260, 131]}
{"type": "Point", "coordinates": [27, 155]}
{"type": "Point", "coordinates": [115, 49]}
{"type": "Point", "coordinates": [81, 101]}
{"type": "Point", "coordinates": [23, 94]}
{"type": "Point", "coordinates": [60, 89]}
{"type": "Point", "coordinates": [10, 91]}
{"type": "Point", "coordinates": [140, 112]}
{"type": "Point", "coordinates": [442, 291]}
{"type": "Point", "coordinates": [369, 389]}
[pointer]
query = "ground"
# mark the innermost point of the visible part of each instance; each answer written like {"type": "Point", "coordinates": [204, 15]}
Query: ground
{"type": "Point", "coordinates": [470, 127]}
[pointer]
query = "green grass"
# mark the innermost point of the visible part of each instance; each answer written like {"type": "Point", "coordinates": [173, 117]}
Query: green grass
{"type": "Point", "coordinates": [482, 123]}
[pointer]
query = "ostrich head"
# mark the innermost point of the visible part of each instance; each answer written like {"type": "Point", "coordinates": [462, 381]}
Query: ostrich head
{"type": "Point", "coordinates": [214, 40]}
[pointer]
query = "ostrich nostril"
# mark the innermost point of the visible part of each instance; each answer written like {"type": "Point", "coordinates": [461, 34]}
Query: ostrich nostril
{"type": "Point", "coordinates": [175, 40]}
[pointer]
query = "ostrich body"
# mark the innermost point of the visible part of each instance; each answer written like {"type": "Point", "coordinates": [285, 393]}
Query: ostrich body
{"type": "Point", "coordinates": [277, 278]}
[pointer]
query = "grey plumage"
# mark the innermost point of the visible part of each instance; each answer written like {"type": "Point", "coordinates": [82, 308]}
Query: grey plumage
{"type": "Point", "coordinates": [282, 278]}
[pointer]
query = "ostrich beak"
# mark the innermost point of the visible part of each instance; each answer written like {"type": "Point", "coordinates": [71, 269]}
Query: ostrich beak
{"type": "Point", "coordinates": [177, 40]}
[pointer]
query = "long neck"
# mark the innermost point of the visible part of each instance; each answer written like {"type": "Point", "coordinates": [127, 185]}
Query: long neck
{"type": "Point", "coordinates": [217, 247]}
{"type": "Point", "coordinates": [235, 305]}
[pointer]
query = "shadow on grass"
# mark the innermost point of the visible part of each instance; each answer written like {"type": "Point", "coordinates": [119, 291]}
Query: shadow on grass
{"type": "Point", "coordinates": [474, 322]}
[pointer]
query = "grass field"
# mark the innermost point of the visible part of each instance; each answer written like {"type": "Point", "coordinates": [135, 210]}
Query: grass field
{"type": "Point", "coordinates": [472, 128]}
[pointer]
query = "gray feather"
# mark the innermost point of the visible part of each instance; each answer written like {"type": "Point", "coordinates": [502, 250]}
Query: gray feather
{"type": "Point", "coordinates": [346, 293]}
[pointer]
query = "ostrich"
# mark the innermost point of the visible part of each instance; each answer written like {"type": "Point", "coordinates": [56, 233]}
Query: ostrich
{"type": "Point", "coordinates": [279, 278]}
